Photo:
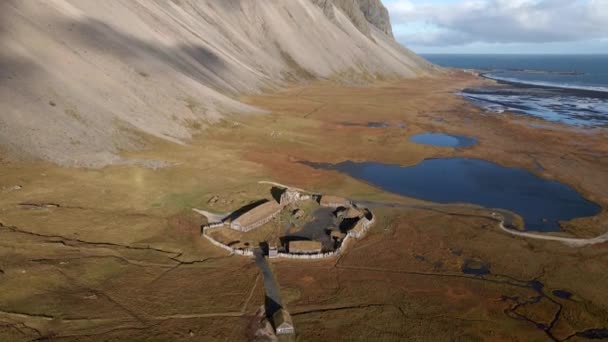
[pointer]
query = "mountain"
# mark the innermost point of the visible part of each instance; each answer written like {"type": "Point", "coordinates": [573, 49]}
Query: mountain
{"type": "Point", "coordinates": [80, 78]}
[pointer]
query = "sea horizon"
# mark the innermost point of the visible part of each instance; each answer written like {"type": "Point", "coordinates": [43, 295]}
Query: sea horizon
{"type": "Point", "coordinates": [570, 89]}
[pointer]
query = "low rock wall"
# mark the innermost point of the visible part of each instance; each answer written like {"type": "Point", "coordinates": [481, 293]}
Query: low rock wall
{"type": "Point", "coordinates": [307, 256]}
{"type": "Point", "coordinates": [358, 232]}
{"type": "Point", "coordinates": [362, 228]}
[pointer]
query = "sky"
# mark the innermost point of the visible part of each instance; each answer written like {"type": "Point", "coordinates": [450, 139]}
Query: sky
{"type": "Point", "coordinates": [501, 26]}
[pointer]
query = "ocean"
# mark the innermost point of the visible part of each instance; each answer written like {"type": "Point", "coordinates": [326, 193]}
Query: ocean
{"type": "Point", "coordinates": [570, 89]}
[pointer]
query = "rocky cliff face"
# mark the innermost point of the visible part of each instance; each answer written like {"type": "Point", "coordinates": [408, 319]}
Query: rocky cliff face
{"type": "Point", "coordinates": [78, 77]}
{"type": "Point", "coordinates": [377, 15]}
{"type": "Point", "coordinates": [361, 12]}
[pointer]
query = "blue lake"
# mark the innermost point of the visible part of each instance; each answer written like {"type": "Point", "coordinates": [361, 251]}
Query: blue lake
{"type": "Point", "coordinates": [541, 202]}
{"type": "Point", "coordinates": [443, 140]}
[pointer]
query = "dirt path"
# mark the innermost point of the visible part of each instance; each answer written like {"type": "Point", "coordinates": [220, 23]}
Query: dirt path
{"type": "Point", "coordinates": [503, 218]}
{"type": "Point", "coordinates": [572, 242]}
{"type": "Point", "coordinates": [285, 186]}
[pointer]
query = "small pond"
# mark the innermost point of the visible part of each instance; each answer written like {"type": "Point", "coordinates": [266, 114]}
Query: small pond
{"type": "Point", "coordinates": [563, 294]}
{"type": "Point", "coordinates": [595, 334]}
{"type": "Point", "coordinates": [443, 140]}
{"type": "Point", "coordinates": [368, 124]}
{"type": "Point", "coordinates": [474, 267]}
{"type": "Point", "coordinates": [541, 202]}
{"type": "Point", "coordinates": [378, 124]}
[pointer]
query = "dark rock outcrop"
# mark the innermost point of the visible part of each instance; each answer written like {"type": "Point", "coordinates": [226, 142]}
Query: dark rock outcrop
{"type": "Point", "coordinates": [362, 13]}
{"type": "Point", "coordinates": [377, 15]}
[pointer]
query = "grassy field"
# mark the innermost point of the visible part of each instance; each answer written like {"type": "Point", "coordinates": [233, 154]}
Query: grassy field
{"type": "Point", "coordinates": [116, 253]}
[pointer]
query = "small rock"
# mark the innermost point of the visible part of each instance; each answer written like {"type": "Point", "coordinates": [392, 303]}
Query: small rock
{"type": "Point", "coordinates": [298, 213]}
{"type": "Point", "coordinates": [12, 188]}
{"type": "Point", "coordinates": [191, 333]}
{"type": "Point", "coordinates": [91, 297]}
{"type": "Point", "coordinates": [39, 206]}
{"type": "Point", "coordinates": [291, 196]}
{"type": "Point", "coordinates": [213, 199]}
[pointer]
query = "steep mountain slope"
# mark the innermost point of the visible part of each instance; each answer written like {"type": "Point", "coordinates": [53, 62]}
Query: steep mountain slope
{"type": "Point", "coordinates": [78, 77]}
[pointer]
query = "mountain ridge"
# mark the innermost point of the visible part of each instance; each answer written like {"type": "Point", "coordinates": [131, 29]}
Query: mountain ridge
{"type": "Point", "coordinates": [78, 77]}
{"type": "Point", "coordinates": [361, 12]}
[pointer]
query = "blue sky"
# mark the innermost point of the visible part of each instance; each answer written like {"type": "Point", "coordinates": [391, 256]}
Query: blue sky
{"type": "Point", "coordinates": [501, 26]}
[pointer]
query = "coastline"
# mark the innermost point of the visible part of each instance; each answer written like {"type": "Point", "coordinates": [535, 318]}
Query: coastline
{"type": "Point", "coordinates": [583, 91]}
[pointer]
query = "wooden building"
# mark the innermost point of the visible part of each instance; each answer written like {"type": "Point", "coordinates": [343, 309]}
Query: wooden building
{"type": "Point", "coordinates": [256, 217]}
{"type": "Point", "coordinates": [334, 202]}
{"type": "Point", "coordinates": [305, 247]}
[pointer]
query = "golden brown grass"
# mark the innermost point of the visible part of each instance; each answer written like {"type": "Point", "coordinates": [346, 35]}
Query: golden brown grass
{"type": "Point", "coordinates": [121, 257]}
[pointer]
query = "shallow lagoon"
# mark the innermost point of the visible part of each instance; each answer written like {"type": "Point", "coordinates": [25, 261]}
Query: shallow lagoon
{"type": "Point", "coordinates": [541, 202]}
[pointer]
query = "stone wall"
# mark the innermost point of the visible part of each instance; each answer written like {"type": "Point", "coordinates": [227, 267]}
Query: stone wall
{"type": "Point", "coordinates": [231, 250]}
{"type": "Point", "coordinates": [356, 233]}
{"type": "Point", "coordinates": [361, 228]}
{"type": "Point", "coordinates": [307, 256]}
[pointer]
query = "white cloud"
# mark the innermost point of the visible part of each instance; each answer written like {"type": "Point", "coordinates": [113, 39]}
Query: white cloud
{"type": "Point", "coordinates": [501, 21]}
{"type": "Point", "coordinates": [600, 11]}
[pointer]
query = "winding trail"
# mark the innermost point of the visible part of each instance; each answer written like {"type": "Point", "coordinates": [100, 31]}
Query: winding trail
{"type": "Point", "coordinates": [504, 218]}
{"type": "Point", "coordinates": [572, 242]}
{"type": "Point", "coordinates": [286, 187]}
